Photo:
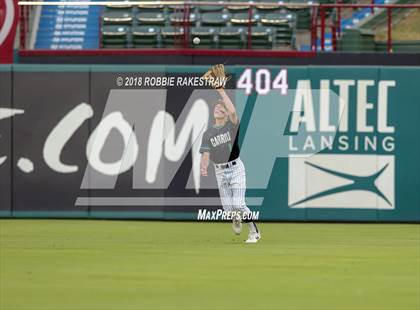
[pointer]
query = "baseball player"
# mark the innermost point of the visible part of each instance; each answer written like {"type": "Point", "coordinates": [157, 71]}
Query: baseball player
{"type": "Point", "coordinates": [220, 145]}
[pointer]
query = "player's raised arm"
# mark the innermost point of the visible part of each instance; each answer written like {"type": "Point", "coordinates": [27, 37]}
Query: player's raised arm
{"type": "Point", "coordinates": [230, 108]}
{"type": "Point", "coordinates": [217, 78]}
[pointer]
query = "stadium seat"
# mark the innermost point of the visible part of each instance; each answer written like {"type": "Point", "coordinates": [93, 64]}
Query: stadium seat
{"type": "Point", "coordinates": [283, 37]}
{"type": "Point", "coordinates": [151, 18]}
{"type": "Point", "coordinates": [282, 24]}
{"type": "Point", "coordinates": [215, 19]}
{"type": "Point", "coordinates": [231, 38]}
{"type": "Point", "coordinates": [239, 8]}
{"type": "Point", "coordinates": [303, 15]}
{"type": "Point", "coordinates": [265, 8]}
{"type": "Point", "coordinates": [277, 20]}
{"type": "Point", "coordinates": [151, 8]}
{"type": "Point", "coordinates": [210, 8]}
{"type": "Point", "coordinates": [261, 37]}
{"type": "Point", "coordinates": [114, 36]}
{"type": "Point", "coordinates": [179, 8]}
{"type": "Point", "coordinates": [145, 37]}
{"type": "Point", "coordinates": [178, 18]}
{"type": "Point", "coordinates": [125, 5]}
{"type": "Point", "coordinates": [206, 35]}
{"type": "Point", "coordinates": [117, 18]}
{"type": "Point", "coordinates": [170, 35]}
{"type": "Point", "coordinates": [242, 19]}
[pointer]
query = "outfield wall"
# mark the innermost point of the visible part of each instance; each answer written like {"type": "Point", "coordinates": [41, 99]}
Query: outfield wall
{"type": "Point", "coordinates": [358, 164]}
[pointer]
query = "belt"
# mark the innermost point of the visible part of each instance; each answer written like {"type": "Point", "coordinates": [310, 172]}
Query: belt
{"type": "Point", "coordinates": [227, 165]}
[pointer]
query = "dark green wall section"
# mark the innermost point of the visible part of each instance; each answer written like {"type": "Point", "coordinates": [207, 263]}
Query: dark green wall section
{"type": "Point", "coordinates": [370, 172]}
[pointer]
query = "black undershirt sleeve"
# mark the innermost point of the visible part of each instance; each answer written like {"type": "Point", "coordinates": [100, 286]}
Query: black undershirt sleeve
{"type": "Point", "coordinates": [205, 144]}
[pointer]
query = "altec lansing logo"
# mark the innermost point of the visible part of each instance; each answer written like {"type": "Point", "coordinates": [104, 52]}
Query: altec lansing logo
{"type": "Point", "coordinates": [342, 181]}
{"type": "Point", "coordinates": [356, 168]}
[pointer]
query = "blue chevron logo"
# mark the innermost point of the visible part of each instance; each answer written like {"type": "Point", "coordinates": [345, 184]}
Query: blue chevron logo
{"type": "Point", "coordinates": [363, 183]}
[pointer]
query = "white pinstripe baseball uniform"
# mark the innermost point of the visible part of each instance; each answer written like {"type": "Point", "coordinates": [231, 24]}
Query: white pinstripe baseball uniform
{"type": "Point", "coordinates": [222, 144]}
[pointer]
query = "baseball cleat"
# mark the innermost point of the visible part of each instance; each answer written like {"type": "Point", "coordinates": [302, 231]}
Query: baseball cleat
{"type": "Point", "coordinates": [253, 237]}
{"type": "Point", "coordinates": [237, 226]}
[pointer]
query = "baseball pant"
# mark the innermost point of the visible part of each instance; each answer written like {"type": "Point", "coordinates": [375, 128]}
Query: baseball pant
{"type": "Point", "coordinates": [232, 187]}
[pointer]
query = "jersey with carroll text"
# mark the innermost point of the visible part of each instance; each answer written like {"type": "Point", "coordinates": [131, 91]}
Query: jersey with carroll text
{"type": "Point", "coordinates": [221, 142]}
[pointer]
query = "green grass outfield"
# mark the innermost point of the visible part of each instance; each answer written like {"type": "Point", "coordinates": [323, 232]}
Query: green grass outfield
{"type": "Point", "coordinates": [71, 264]}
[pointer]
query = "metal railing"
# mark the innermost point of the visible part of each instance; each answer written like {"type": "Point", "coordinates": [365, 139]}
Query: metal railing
{"type": "Point", "coordinates": [24, 13]}
{"type": "Point", "coordinates": [336, 22]}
